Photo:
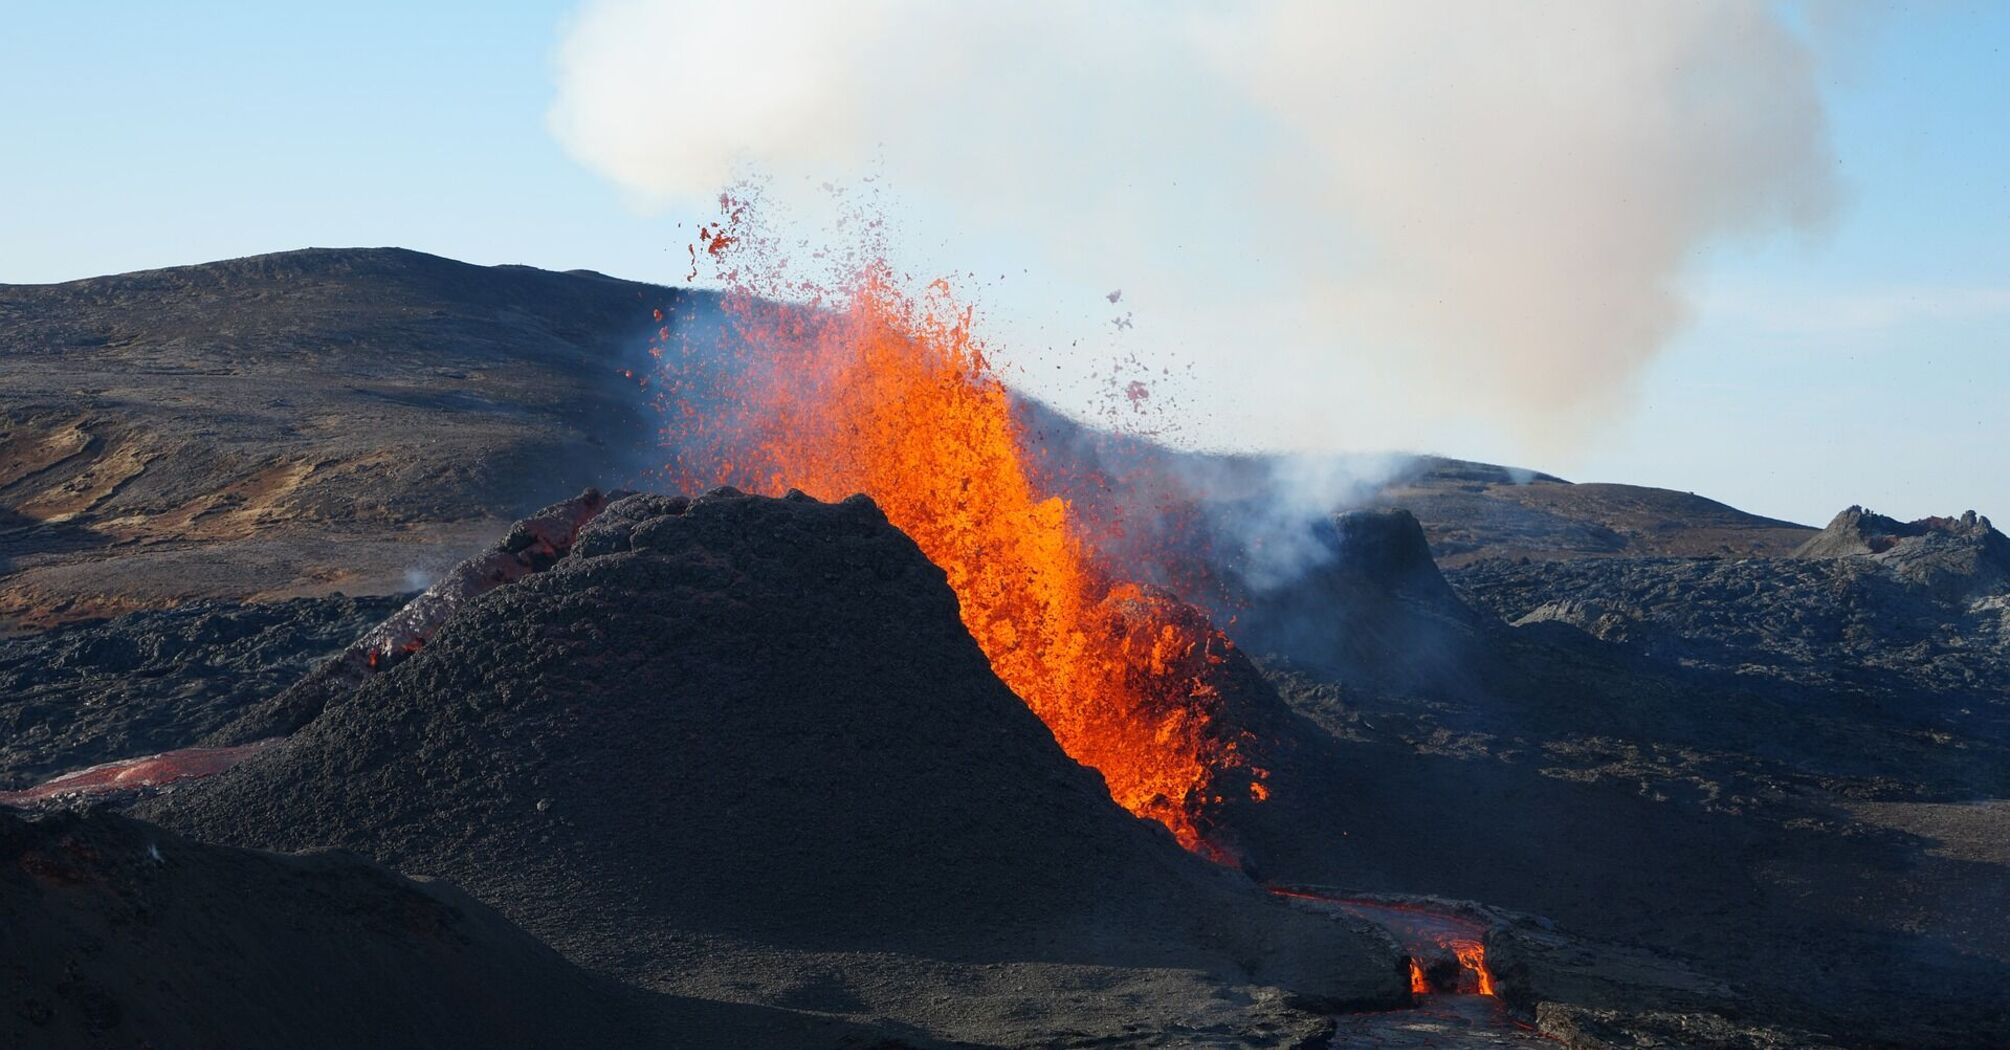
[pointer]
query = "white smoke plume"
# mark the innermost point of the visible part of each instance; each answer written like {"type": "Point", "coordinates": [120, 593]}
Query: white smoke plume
{"type": "Point", "coordinates": [1360, 225]}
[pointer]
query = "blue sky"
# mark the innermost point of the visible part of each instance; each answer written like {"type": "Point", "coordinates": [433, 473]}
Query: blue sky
{"type": "Point", "coordinates": [1869, 363]}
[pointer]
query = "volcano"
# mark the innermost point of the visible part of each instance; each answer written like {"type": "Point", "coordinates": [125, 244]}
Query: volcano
{"type": "Point", "coordinates": [1700, 777]}
{"type": "Point", "coordinates": [737, 721]}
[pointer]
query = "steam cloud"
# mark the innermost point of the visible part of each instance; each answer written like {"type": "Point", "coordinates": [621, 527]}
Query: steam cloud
{"type": "Point", "coordinates": [1371, 224]}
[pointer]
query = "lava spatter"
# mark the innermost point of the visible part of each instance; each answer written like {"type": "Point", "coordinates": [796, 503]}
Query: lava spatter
{"type": "Point", "coordinates": [866, 388]}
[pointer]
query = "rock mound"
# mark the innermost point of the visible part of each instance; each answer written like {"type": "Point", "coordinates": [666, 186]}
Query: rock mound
{"type": "Point", "coordinates": [1387, 547]}
{"type": "Point", "coordinates": [1964, 554]}
{"type": "Point", "coordinates": [762, 720]}
{"type": "Point", "coordinates": [1374, 608]}
{"type": "Point", "coordinates": [120, 933]}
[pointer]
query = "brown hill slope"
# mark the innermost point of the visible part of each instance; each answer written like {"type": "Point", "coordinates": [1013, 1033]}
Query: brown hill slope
{"type": "Point", "coordinates": [319, 420]}
{"type": "Point", "coordinates": [353, 419]}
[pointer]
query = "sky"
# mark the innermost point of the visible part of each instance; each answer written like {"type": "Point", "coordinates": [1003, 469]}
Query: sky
{"type": "Point", "coordinates": [1850, 345]}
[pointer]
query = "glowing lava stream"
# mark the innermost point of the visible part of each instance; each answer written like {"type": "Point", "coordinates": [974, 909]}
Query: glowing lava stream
{"type": "Point", "coordinates": [869, 390]}
{"type": "Point", "coordinates": [144, 773]}
{"type": "Point", "coordinates": [1421, 929]}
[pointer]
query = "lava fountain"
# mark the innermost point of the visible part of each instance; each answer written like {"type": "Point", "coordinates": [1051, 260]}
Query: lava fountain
{"type": "Point", "coordinates": [866, 388]}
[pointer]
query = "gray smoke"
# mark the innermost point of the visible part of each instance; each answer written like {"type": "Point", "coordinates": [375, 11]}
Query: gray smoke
{"type": "Point", "coordinates": [1366, 225]}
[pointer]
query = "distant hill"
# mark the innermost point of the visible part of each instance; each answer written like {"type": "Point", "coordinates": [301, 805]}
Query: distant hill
{"type": "Point", "coordinates": [1472, 511]}
{"type": "Point", "coordinates": [355, 419]}
{"type": "Point", "coordinates": [298, 423]}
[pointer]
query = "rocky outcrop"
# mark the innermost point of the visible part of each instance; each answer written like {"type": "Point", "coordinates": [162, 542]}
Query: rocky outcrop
{"type": "Point", "coordinates": [1907, 620]}
{"type": "Point", "coordinates": [1372, 609]}
{"type": "Point", "coordinates": [1961, 557]}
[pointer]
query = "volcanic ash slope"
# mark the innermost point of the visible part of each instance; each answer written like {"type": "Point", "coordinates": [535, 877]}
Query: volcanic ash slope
{"type": "Point", "coordinates": [740, 724]}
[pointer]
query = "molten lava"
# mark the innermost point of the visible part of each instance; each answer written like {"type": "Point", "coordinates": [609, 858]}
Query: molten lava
{"type": "Point", "coordinates": [1473, 959]}
{"type": "Point", "coordinates": [1425, 931]}
{"type": "Point", "coordinates": [873, 391]}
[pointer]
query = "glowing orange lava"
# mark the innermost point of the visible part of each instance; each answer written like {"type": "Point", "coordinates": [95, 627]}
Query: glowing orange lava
{"type": "Point", "coordinates": [1473, 957]}
{"type": "Point", "coordinates": [877, 392]}
{"type": "Point", "coordinates": [1425, 930]}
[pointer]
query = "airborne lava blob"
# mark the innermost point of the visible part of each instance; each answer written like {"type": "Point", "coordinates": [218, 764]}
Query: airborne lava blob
{"type": "Point", "coordinates": [868, 389]}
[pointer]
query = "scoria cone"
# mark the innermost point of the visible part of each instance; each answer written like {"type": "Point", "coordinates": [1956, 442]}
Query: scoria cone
{"type": "Point", "coordinates": [759, 721]}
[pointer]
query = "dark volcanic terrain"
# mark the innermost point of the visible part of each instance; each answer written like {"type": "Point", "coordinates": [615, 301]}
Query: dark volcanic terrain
{"type": "Point", "coordinates": [1786, 770]}
{"type": "Point", "coordinates": [89, 693]}
{"type": "Point", "coordinates": [1718, 780]}
{"type": "Point", "coordinates": [356, 420]}
{"type": "Point", "coordinates": [1473, 511]}
{"type": "Point", "coordinates": [123, 934]}
{"type": "Point", "coordinates": [297, 424]}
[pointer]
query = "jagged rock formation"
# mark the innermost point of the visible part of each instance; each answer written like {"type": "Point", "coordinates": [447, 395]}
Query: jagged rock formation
{"type": "Point", "coordinates": [755, 721]}
{"type": "Point", "coordinates": [1958, 557]}
{"type": "Point", "coordinates": [1869, 605]}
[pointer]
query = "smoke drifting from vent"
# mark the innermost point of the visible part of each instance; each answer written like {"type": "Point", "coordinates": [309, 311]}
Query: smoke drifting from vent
{"type": "Point", "coordinates": [1364, 224]}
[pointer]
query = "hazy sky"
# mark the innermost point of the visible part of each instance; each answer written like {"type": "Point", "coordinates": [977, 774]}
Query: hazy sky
{"type": "Point", "coordinates": [1817, 317]}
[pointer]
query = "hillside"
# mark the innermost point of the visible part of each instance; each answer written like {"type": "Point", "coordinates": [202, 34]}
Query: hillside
{"type": "Point", "coordinates": [296, 424]}
{"type": "Point", "coordinates": [355, 420]}
{"type": "Point", "coordinates": [1473, 511]}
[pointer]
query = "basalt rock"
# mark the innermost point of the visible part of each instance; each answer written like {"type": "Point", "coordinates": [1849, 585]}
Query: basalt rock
{"type": "Point", "coordinates": [1374, 608]}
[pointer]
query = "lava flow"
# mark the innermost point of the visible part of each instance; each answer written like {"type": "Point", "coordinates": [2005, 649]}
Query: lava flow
{"type": "Point", "coordinates": [135, 775]}
{"type": "Point", "coordinates": [874, 391]}
{"type": "Point", "coordinates": [1447, 953]}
